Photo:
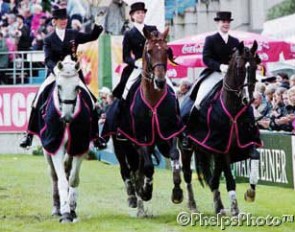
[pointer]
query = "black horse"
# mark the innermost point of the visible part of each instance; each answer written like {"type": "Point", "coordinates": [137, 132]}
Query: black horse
{"type": "Point", "coordinates": [149, 117]}
{"type": "Point", "coordinates": [222, 131]}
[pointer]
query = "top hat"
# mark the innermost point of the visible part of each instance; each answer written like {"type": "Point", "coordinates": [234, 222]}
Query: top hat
{"type": "Point", "coordinates": [223, 15]}
{"type": "Point", "coordinates": [59, 13]}
{"type": "Point", "coordinates": [137, 6]}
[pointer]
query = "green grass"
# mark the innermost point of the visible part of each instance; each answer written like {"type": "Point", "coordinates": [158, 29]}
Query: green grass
{"type": "Point", "coordinates": [25, 201]}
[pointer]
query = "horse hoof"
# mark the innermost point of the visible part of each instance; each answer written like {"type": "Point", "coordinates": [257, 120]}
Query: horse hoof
{"type": "Point", "coordinates": [132, 201]}
{"type": "Point", "coordinates": [66, 218]}
{"type": "Point", "coordinates": [249, 195]}
{"type": "Point", "coordinates": [147, 192]}
{"type": "Point", "coordinates": [55, 212]}
{"type": "Point", "coordinates": [234, 208]}
{"type": "Point", "coordinates": [193, 207]}
{"type": "Point", "coordinates": [177, 195]}
{"type": "Point", "coordinates": [74, 216]}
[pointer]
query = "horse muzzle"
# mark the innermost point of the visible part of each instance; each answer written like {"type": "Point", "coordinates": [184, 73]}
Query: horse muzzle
{"type": "Point", "coordinates": [160, 83]}
{"type": "Point", "coordinates": [67, 118]}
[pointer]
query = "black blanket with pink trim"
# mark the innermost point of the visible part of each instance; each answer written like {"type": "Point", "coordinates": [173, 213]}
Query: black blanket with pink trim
{"type": "Point", "coordinates": [214, 128]}
{"type": "Point", "coordinates": [80, 130]}
{"type": "Point", "coordinates": [142, 123]}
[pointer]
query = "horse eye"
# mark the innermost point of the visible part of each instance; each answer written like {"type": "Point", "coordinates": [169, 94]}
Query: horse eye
{"type": "Point", "coordinates": [59, 87]}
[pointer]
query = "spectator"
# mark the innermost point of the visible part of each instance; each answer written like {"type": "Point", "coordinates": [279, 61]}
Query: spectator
{"type": "Point", "coordinates": [37, 15]}
{"type": "Point", "coordinates": [14, 7]}
{"type": "Point", "coordinates": [283, 80]}
{"type": "Point", "coordinates": [183, 89]}
{"type": "Point", "coordinates": [76, 25]}
{"type": "Point", "coordinates": [3, 58]}
{"type": "Point", "coordinates": [23, 34]}
{"type": "Point", "coordinates": [4, 7]}
{"type": "Point", "coordinates": [292, 81]}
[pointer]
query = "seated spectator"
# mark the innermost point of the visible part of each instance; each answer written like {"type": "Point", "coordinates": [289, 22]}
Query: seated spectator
{"type": "Point", "coordinates": [292, 81]}
{"type": "Point", "coordinates": [3, 58]}
{"type": "Point", "coordinates": [283, 80]}
{"type": "Point", "coordinates": [183, 89]}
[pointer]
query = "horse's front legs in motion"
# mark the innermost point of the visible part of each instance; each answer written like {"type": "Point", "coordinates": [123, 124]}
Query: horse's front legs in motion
{"type": "Point", "coordinates": [186, 157]}
{"type": "Point", "coordinates": [177, 193]}
{"type": "Point", "coordinates": [67, 184]}
{"type": "Point", "coordinates": [222, 163]}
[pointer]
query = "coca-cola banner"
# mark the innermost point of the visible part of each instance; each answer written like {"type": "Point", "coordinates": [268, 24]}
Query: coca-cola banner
{"type": "Point", "coordinates": [269, 50]}
{"type": "Point", "coordinates": [15, 107]}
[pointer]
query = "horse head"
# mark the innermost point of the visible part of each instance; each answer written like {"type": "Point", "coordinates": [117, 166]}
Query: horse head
{"type": "Point", "coordinates": [67, 84]}
{"type": "Point", "coordinates": [155, 55]}
{"type": "Point", "coordinates": [254, 60]}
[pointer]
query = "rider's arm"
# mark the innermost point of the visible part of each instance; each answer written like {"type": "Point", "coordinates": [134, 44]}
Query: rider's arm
{"type": "Point", "coordinates": [87, 37]}
{"type": "Point", "coordinates": [50, 64]}
{"type": "Point", "coordinates": [127, 51]}
{"type": "Point", "coordinates": [208, 55]}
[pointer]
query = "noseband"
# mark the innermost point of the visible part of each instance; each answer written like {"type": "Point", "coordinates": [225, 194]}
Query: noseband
{"type": "Point", "coordinates": [149, 73]}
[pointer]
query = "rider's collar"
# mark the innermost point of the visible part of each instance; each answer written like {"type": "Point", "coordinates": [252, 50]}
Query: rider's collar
{"type": "Point", "coordinates": [139, 26]}
{"type": "Point", "coordinates": [224, 36]}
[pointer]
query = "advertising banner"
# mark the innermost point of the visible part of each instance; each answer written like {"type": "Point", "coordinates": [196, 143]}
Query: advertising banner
{"type": "Point", "coordinates": [15, 107]}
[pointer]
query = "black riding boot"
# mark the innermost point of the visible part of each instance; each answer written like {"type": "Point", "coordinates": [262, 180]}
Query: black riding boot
{"type": "Point", "coordinates": [27, 140]}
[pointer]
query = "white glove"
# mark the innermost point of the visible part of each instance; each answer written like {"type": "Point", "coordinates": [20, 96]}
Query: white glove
{"type": "Point", "coordinates": [138, 63]}
{"type": "Point", "coordinates": [98, 20]}
{"type": "Point", "coordinates": [223, 68]}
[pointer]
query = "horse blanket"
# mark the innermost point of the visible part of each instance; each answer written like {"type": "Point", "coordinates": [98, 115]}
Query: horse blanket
{"type": "Point", "coordinates": [214, 128]}
{"type": "Point", "coordinates": [51, 129]}
{"type": "Point", "coordinates": [142, 123]}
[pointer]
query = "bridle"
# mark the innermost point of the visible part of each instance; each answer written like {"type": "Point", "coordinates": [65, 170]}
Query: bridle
{"type": "Point", "coordinates": [149, 74]}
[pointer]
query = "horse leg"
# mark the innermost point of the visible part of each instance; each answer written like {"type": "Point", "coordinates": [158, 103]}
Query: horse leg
{"type": "Point", "coordinates": [63, 186]}
{"type": "Point", "coordinates": [74, 181]}
{"type": "Point", "coordinates": [120, 151]}
{"type": "Point", "coordinates": [177, 193]}
{"type": "Point", "coordinates": [139, 179]}
{"type": "Point", "coordinates": [231, 186]}
{"type": "Point", "coordinates": [253, 180]}
{"type": "Point", "coordinates": [55, 195]}
{"type": "Point", "coordinates": [186, 156]}
{"type": "Point", "coordinates": [214, 185]}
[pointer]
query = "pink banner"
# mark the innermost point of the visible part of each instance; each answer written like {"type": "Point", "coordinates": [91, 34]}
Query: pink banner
{"type": "Point", "coordinates": [15, 107]}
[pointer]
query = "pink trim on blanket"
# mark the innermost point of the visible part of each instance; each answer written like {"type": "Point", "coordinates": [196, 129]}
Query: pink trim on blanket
{"type": "Point", "coordinates": [155, 120]}
{"type": "Point", "coordinates": [233, 128]}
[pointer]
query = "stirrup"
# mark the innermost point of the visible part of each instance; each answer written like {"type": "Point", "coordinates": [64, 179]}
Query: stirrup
{"type": "Point", "coordinates": [120, 137]}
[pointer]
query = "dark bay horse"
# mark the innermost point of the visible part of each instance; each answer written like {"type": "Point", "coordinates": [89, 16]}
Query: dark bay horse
{"type": "Point", "coordinates": [150, 118]}
{"type": "Point", "coordinates": [222, 131]}
{"type": "Point", "coordinates": [65, 131]}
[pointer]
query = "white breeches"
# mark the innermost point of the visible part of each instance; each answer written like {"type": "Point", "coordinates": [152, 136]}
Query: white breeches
{"type": "Point", "coordinates": [206, 86]}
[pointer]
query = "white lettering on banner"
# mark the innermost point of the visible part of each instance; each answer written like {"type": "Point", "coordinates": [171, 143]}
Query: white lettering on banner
{"type": "Point", "coordinates": [272, 166]}
{"type": "Point", "coordinates": [15, 109]}
{"type": "Point", "coordinates": [191, 49]}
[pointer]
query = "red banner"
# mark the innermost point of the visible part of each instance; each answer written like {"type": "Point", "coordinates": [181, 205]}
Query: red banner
{"type": "Point", "coordinates": [15, 107]}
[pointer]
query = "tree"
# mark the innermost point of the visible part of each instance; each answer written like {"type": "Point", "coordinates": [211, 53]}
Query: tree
{"type": "Point", "coordinates": [284, 8]}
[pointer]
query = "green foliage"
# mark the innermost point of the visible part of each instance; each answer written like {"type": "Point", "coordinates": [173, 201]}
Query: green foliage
{"type": "Point", "coordinates": [25, 201]}
{"type": "Point", "coordinates": [287, 7]}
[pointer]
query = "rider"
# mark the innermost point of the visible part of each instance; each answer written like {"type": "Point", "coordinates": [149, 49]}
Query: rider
{"type": "Point", "coordinates": [57, 45]}
{"type": "Point", "coordinates": [133, 45]}
{"type": "Point", "coordinates": [216, 56]}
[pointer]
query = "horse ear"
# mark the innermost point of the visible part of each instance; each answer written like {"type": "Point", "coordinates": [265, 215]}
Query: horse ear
{"type": "Point", "coordinates": [254, 47]}
{"type": "Point", "coordinates": [146, 33]}
{"type": "Point", "coordinates": [240, 47]}
{"type": "Point", "coordinates": [170, 56]}
{"type": "Point", "coordinates": [165, 33]}
{"type": "Point", "coordinates": [258, 60]}
{"type": "Point", "coordinates": [60, 65]}
{"type": "Point", "coordinates": [77, 66]}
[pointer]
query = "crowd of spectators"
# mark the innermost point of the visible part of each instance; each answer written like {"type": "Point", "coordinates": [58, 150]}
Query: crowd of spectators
{"type": "Point", "coordinates": [274, 103]}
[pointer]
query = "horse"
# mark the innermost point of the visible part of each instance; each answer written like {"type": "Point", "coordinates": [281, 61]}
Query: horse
{"type": "Point", "coordinates": [65, 123]}
{"type": "Point", "coordinates": [150, 118]}
{"type": "Point", "coordinates": [216, 147]}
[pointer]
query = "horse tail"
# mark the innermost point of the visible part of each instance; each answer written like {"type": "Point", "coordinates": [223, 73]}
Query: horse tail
{"type": "Point", "coordinates": [204, 168]}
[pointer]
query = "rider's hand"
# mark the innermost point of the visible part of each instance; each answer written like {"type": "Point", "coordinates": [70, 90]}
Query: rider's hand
{"type": "Point", "coordinates": [223, 68]}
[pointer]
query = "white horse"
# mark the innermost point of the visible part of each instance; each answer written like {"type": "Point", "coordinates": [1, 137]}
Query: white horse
{"type": "Point", "coordinates": [65, 136]}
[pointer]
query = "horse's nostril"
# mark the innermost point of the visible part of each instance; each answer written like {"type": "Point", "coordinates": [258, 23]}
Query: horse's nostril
{"type": "Point", "coordinates": [160, 83]}
{"type": "Point", "coordinates": [66, 118]}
